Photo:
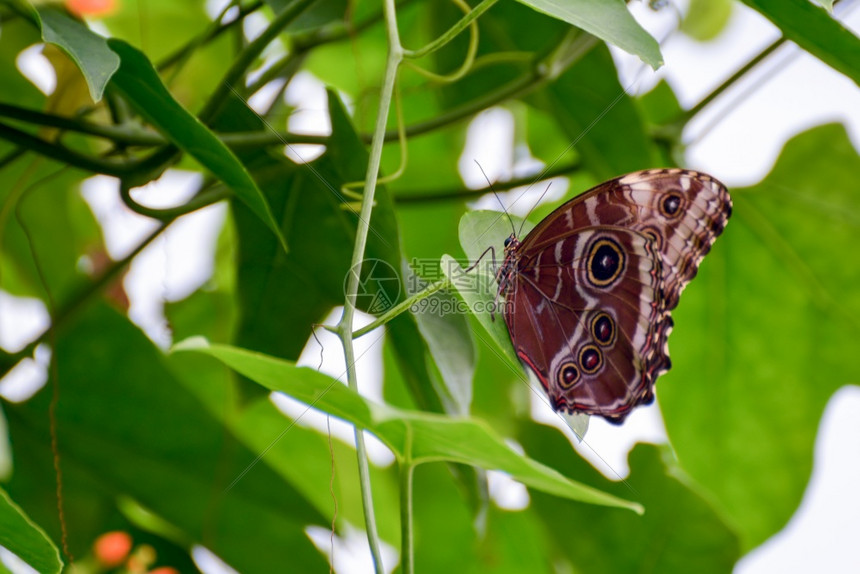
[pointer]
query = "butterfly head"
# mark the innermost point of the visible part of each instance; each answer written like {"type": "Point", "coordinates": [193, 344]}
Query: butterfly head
{"type": "Point", "coordinates": [511, 243]}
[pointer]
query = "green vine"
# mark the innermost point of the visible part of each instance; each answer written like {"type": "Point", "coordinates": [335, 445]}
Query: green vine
{"type": "Point", "coordinates": [344, 327]}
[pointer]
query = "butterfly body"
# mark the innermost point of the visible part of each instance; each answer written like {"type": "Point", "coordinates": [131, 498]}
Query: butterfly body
{"type": "Point", "coordinates": [589, 291]}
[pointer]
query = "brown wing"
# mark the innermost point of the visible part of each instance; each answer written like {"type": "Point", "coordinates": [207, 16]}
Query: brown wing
{"type": "Point", "coordinates": [586, 315]}
{"type": "Point", "coordinates": [589, 290]}
{"type": "Point", "coordinates": [683, 212]}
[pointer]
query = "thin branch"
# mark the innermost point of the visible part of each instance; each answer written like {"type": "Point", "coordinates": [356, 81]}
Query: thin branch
{"type": "Point", "coordinates": [121, 135]}
{"type": "Point", "coordinates": [207, 36]}
{"type": "Point", "coordinates": [65, 155]}
{"type": "Point", "coordinates": [147, 138]}
{"type": "Point", "coordinates": [199, 201]}
{"type": "Point", "coordinates": [541, 72]}
{"type": "Point", "coordinates": [459, 193]}
{"type": "Point", "coordinates": [401, 307]}
{"type": "Point", "coordinates": [285, 68]}
{"type": "Point", "coordinates": [756, 60]}
{"type": "Point", "coordinates": [452, 32]}
{"type": "Point", "coordinates": [407, 535]}
{"type": "Point", "coordinates": [246, 57]}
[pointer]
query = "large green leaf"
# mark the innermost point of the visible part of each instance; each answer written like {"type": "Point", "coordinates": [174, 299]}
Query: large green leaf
{"type": "Point", "coordinates": [125, 422]}
{"type": "Point", "coordinates": [680, 532]}
{"type": "Point", "coordinates": [766, 334]}
{"type": "Point", "coordinates": [609, 20]}
{"type": "Point", "coordinates": [413, 436]}
{"type": "Point", "coordinates": [510, 542]}
{"type": "Point", "coordinates": [814, 30]}
{"type": "Point", "coordinates": [141, 85]}
{"type": "Point", "coordinates": [20, 535]}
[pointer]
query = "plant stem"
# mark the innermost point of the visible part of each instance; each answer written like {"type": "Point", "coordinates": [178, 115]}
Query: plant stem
{"type": "Point", "coordinates": [395, 57]}
{"type": "Point", "coordinates": [541, 72]}
{"type": "Point", "coordinates": [113, 133]}
{"type": "Point", "coordinates": [452, 32]}
{"type": "Point", "coordinates": [260, 138]}
{"type": "Point", "coordinates": [199, 201]}
{"type": "Point", "coordinates": [64, 154]}
{"type": "Point", "coordinates": [212, 32]}
{"type": "Point", "coordinates": [251, 52]}
{"type": "Point", "coordinates": [458, 193]}
{"type": "Point", "coordinates": [284, 69]}
{"type": "Point", "coordinates": [147, 138]}
{"type": "Point", "coordinates": [401, 307]}
{"type": "Point", "coordinates": [407, 536]}
{"type": "Point", "coordinates": [517, 87]}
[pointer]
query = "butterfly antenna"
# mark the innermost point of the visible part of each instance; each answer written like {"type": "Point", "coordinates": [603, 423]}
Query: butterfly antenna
{"type": "Point", "coordinates": [314, 333]}
{"type": "Point", "coordinates": [499, 199]}
{"type": "Point", "coordinates": [533, 207]}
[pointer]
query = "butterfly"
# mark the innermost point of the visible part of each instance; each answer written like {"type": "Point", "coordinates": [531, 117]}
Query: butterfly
{"type": "Point", "coordinates": [588, 292]}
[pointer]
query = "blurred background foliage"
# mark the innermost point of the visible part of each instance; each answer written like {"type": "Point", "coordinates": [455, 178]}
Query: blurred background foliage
{"type": "Point", "coordinates": [150, 443]}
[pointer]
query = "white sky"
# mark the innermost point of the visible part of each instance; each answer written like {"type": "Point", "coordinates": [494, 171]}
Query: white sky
{"type": "Point", "coordinates": [739, 149]}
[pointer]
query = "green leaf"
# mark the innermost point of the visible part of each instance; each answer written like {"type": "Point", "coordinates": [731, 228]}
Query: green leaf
{"type": "Point", "coordinates": [413, 436]}
{"type": "Point", "coordinates": [29, 231]}
{"type": "Point", "coordinates": [127, 423]}
{"type": "Point", "coordinates": [767, 333]}
{"type": "Point", "coordinates": [660, 106]}
{"type": "Point", "coordinates": [23, 537]}
{"type": "Point", "coordinates": [814, 30]}
{"type": "Point", "coordinates": [152, 25]}
{"type": "Point", "coordinates": [480, 230]}
{"type": "Point", "coordinates": [309, 281]}
{"type": "Point", "coordinates": [260, 425]}
{"type": "Point", "coordinates": [141, 85]}
{"type": "Point", "coordinates": [444, 327]}
{"type": "Point", "coordinates": [305, 284]}
{"type": "Point", "coordinates": [319, 14]}
{"type": "Point", "coordinates": [706, 18]}
{"type": "Point", "coordinates": [609, 20]}
{"type": "Point", "coordinates": [445, 532]}
{"type": "Point", "coordinates": [680, 532]}
{"type": "Point", "coordinates": [18, 34]}
{"type": "Point", "coordinates": [592, 108]}
{"type": "Point", "coordinates": [477, 288]}
{"type": "Point", "coordinates": [87, 49]}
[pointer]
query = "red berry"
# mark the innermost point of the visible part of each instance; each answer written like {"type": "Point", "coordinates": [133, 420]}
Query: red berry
{"type": "Point", "coordinates": [112, 548]}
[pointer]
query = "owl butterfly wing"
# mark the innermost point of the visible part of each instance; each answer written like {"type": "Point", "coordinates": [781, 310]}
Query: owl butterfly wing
{"type": "Point", "coordinates": [586, 315]}
{"type": "Point", "coordinates": [682, 211]}
{"type": "Point", "coordinates": [594, 282]}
